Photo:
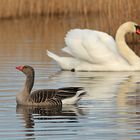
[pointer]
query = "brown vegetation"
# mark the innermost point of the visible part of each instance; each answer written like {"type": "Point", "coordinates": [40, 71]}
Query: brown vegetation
{"type": "Point", "coordinates": [112, 8]}
{"type": "Point", "coordinates": [104, 15]}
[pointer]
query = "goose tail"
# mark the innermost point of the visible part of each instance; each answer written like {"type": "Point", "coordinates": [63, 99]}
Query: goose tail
{"type": "Point", "coordinates": [80, 93]}
{"type": "Point", "coordinates": [73, 100]}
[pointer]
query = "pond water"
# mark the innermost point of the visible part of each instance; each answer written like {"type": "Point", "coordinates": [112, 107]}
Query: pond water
{"type": "Point", "coordinates": [109, 111]}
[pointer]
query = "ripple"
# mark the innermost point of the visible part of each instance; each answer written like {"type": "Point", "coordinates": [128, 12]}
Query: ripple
{"type": "Point", "coordinates": [110, 110]}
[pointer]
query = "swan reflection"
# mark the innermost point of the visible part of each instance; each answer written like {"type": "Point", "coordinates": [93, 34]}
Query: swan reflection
{"type": "Point", "coordinates": [99, 85]}
{"type": "Point", "coordinates": [112, 100]}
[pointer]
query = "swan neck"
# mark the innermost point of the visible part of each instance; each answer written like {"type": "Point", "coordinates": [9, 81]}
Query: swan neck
{"type": "Point", "coordinates": [120, 36]}
{"type": "Point", "coordinates": [123, 48]}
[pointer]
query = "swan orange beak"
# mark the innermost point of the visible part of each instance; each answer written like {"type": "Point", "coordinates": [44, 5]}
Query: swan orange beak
{"type": "Point", "coordinates": [138, 30]}
{"type": "Point", "coordinates": [20, 68]}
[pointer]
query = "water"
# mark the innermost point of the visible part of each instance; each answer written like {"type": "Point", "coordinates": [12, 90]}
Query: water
{"type": "Point", "coordinates": [109, 111]}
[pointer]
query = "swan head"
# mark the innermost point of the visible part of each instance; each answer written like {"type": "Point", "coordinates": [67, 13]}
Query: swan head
{"type": "Point", "coordinates": [131, 27]}
{"type": "Point", "coordinates": [137, 29]}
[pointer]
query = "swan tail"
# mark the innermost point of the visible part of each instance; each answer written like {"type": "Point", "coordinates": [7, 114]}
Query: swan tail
{"type": "Point", "coordinates": [66, 63]}
{"type": "Point", "coordinates": [53, 56]}
{"type": "Point", "coordinates": [57, 58]}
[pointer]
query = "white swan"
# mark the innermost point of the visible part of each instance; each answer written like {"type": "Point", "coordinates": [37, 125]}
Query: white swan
{"type": "Point", "coordinates": [92, 50]}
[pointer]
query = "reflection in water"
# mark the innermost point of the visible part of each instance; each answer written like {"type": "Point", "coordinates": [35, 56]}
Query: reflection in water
{"type": "Point", "coordinates": [110, 110]}
{"type": "Point", "coordinates": [112, 96]}
{"type": "Point", "coordinates": [99, 85]}
{"type": "Point", "coordinates": [112, 104]}
{"type": "Point", "coordinates": [28, 111]}
{"type": "Point", "coordinates": [51, 117]}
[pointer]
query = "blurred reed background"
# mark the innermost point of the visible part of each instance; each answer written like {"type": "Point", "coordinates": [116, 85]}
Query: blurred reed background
{"type": "Point", "coordinates": [103, 15]}
{"type": "Point", "coordinates": [110, 12]}
{"type": "Point", "coordinates": [20, 8]}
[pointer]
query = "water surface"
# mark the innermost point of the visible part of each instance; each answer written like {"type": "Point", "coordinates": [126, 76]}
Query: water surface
{"type": "Point", "coordinates": [109, 111]}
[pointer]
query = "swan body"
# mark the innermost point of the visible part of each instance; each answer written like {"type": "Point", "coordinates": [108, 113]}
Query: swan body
{"type": "Point", "coordinates": [46, 97]}
{"type": "Point", "coordinates": [92, 50]}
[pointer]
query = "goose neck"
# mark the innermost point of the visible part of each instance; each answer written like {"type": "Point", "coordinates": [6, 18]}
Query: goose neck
{"type": "Point", "coordinates": [29, 83]}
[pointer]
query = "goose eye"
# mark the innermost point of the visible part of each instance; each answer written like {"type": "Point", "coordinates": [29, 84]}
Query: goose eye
{"type": "Point", "coordinates": [25, 67]}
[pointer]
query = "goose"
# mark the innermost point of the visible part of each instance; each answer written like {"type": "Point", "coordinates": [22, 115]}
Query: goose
{"type": "Point", "coordinates": [45, 97]}
{"type": "Point", "coordinates": [92, 50]}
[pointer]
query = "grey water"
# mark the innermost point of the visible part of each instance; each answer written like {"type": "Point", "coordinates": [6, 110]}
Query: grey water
{"type": "Point", "coordinates": [109, 111]}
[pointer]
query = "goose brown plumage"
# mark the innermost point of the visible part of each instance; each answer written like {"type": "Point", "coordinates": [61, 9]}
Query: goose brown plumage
{"type": "Point", "coordinates": [45, 97]}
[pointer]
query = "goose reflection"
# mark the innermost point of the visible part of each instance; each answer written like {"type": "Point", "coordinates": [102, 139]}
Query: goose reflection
{"type": "Point", "coordinates": [30, 114]}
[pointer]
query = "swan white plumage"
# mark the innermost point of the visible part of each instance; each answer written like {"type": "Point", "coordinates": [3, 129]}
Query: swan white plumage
{"type": "Point", "coordinates": [93, 50]}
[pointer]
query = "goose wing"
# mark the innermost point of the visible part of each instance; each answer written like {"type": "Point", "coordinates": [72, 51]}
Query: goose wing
{"type": "Point", "coordinates": [89, 45]}
{"type": "Point", "coordinates": [68, 92]}
{"type": "Point", "coordinates": [46, 95]}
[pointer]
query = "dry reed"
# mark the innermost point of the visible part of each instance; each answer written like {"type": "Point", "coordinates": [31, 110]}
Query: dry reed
{"type": "Point", "coordinates": [19, 8]}
{"type": "Point", "coordinates": [107, 14]}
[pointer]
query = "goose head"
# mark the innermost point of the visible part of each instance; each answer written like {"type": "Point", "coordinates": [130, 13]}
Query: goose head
{"type": "Point", "coordinates": [27, 70]}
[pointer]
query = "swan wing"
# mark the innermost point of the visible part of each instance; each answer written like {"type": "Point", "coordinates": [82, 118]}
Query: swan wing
{"type": "Point", "coordinates": [90, 45]}
{"type": "Point", "coordinates": [67, 50]}
{"type": "Point", "coordinates": [74, 47]}
{"type": "Point", "coordinates": [107, 40]}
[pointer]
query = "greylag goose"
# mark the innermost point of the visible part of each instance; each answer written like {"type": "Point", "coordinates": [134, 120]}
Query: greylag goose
{"type": "Point", "coordinates": [45, 97]}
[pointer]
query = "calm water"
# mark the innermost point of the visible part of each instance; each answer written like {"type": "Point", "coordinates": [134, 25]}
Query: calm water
{"type": "Point", "coordinates": [110, 110]}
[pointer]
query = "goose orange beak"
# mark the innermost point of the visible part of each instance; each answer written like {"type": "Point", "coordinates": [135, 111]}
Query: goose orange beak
{"type": "Point", "coordinates": [20, 68]}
